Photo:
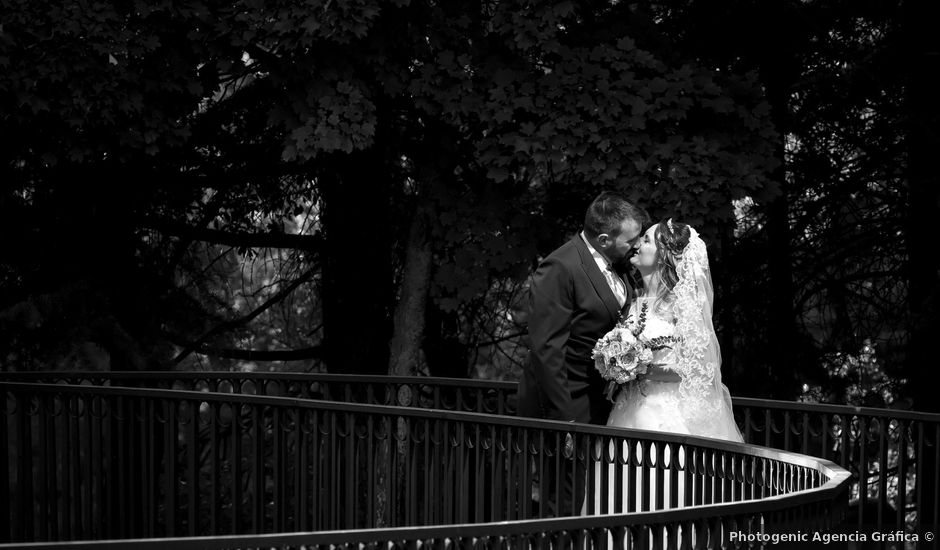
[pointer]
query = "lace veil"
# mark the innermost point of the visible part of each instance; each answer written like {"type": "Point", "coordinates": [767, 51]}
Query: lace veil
{"type": "Point", "coordinates": [698, 356]}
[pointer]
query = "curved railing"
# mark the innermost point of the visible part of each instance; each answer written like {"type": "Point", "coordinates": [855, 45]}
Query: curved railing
{"type": "Point", "coordinates": [894, 455]}
{"type": "Point", "coordinates": [90, 462]}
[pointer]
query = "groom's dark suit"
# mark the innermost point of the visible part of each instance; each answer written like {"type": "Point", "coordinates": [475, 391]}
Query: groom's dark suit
{"type": "Point", "coordinates": [571, 307]}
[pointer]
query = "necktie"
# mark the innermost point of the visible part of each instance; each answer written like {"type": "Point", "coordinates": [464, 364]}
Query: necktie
{"type": "Point", "coordinates": [616, 285]}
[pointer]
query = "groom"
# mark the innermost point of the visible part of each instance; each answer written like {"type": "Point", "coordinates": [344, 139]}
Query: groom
{"type": "Point", "coordinates": [576, 297]}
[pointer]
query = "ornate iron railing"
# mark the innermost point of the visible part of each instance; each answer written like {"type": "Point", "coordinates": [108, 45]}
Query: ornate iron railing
{"type": "Point", "coordinates": [89, 462]}
{"type": "Point", "coordinates": [894, 455]}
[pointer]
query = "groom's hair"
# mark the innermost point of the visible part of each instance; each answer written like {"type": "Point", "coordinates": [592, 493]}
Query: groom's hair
{"type": "Point", "coordinates": [607, 212]}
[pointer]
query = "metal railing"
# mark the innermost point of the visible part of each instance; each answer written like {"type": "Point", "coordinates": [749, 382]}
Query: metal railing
{"type": "Point", "coordinates": [893, 455]}
{"type": "Point", "coordinates": [90, 462]}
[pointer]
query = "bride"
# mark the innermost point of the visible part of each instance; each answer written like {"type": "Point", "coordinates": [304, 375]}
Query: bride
{"type": "Point", "coordinates": [681, 392]}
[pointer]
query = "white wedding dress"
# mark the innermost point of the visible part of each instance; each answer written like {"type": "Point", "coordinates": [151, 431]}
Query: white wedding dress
{"type": "Point", "coordinates": [651, 405]}
{"type": "Point", "coordinates": [703, 410]}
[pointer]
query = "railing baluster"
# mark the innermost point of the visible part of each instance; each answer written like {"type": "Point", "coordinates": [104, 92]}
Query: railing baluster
{"type": "Point", "coordinates": [633, 469]}
{"type": "Point", "coordinates": [845, 445]}
{"type": "Point", "coordinates": [919, 489]}
{"type": "Point", "coordinates": [370, 466]}
{"type": "Point", "coordinates": [101, 510]}
{"type": "Point", "coordinates": [351, 467]}
{"type": "Point", "coordinates": [169, 464]}
{"type": "Point", "coordinates": [620, 460]}
{"type": "Point", "coordinates": [316, 479]}
{"type": "Point", "coordinates": [435, 470]}
{"type": "Point", "coordinates": [446, 481]}
{"type": "Point", "coordinates": [482, 478]}
{"type": "Point", "coordinates": [278, 509]}
{"type": "Point", "coordinates": [414, 467]}
{"type": "Point", "coordinates": [901, 502]}
{"type": "Point", "coordinates": [884, 426]}
{"type": "Point", "coordinates": [301, 478]}
{"type": "Point", "coordinates": [23, 519]}
{"type": "Point", "coordinates": [44, 466]}
{"type": "Point", "coordinates": [427, 465]}
{"type": "Point", "coordinates": [462, 470]}
{"type": "Point", "coordinates": [236, 468]}
{"type": "Point", "coordinates": [215, 466]}
{"type": "Point", "coordinates": [499, 465]}
{"type": "Point", "coordinates": [148, 445]}
{"type": "Point", "coordinates": [6, 519]}
{"type": "Point", "coordinates": [120, 461]}
{"type": "Point", "coordinates": [192, 467]}
{"type": "Point", "coordinates": [65, 456]}
{"type": "Point", "coordinates": [525, 484]}
{"type": "Point", "coordinates": [673, 450]}
{"type": "Point", "coordinates": [257, 469]}
{"type": "Point", "coordinates": [660, 471]}
{"type": "Point", "coordinates": [645, 475]}
{"type": "Point", "coordinates": [730, 479]}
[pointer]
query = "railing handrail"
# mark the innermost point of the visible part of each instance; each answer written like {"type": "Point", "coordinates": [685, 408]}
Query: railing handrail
{"type": "Point", "coordinates": [257, 375]}
{"type": "Point", "coordinates": [789, 406]}
{"type": "Point", "coordinates": [835, 408]}
{"type": "Point", "coordinates": [830, 469]}
{"type": "Point", "coordinates": [502, 528]}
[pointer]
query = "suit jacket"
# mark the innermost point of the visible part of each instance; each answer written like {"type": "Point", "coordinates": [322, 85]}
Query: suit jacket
{"type": "Point", "coordinates": [571, 307]}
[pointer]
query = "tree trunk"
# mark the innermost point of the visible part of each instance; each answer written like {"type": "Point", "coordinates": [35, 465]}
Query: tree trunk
{"type": "Point", "coordinates": [409, 319]}
{"type": "Point", "coordinates": [405, 352]}
{"type": "Point", "coordinates": [779, 68]}
{"type": "Point", "coordinates": [357, 272]}
{"type": "Point", "coordinates": [780, 326]}
{"type": "Point", "coordinates": [923, 121]}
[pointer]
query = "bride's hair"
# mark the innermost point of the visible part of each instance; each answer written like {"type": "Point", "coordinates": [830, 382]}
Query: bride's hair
{"type": "Point", "coordinates": [671, 239]}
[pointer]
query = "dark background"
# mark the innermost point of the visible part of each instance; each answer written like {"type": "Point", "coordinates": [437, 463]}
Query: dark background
{"type": "Point", "coordinates": [365, 186]}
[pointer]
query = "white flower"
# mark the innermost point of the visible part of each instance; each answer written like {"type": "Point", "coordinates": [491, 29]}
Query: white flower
{"type": "Point", "coordinates": [620, 356]}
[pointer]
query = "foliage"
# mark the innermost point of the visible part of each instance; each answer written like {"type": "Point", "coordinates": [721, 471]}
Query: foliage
{"type": "Point", "coordinates": [858, 379]}
{"type": "Point", "coordinates": [844, 186]}
{"type": "Point", "coordinates": [159, 155]}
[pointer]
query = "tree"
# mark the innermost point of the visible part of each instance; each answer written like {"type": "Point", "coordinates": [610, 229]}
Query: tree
{"type": "Point", "coordinates": [481, 123]}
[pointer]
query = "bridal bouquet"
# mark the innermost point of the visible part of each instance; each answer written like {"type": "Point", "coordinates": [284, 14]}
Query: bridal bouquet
{"type": "Point", "coordinates": [623, 354]}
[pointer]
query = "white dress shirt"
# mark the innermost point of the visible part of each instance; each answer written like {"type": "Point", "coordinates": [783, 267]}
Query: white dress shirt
{"type": "Point", "coordinates": [617, 286]}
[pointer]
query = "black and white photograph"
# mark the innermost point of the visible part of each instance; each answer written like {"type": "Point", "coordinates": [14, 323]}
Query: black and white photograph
{"type": "Point", "coordinates": [495, 274]}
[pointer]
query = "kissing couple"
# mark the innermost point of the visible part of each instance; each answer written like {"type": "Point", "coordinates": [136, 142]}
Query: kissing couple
{"type": "Point", "coordinates": [621, 281]}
